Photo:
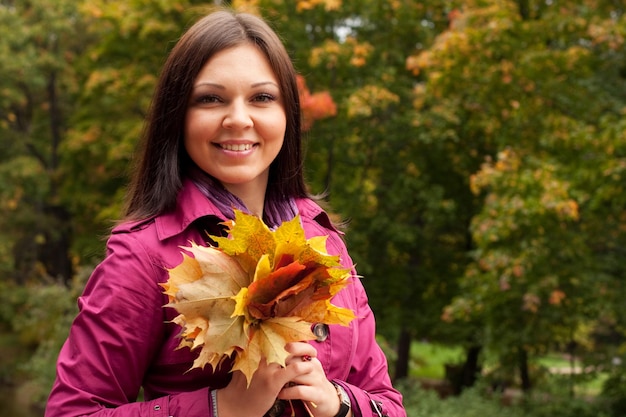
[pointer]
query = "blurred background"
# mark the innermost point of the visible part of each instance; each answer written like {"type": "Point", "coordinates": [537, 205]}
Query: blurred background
{"type": "Point", "coordinates": [476, 147]}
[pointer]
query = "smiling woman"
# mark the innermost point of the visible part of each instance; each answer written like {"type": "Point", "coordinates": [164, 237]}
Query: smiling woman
{"type": "Point", "coordinates": [223, 139]}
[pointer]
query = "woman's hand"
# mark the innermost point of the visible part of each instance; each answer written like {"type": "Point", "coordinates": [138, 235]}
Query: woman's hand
{"type": "Point", "coordinates": [269, 382]}
{"type": "Point", "coordinates": [238, 399]}
{"type": "Point", "coordinates": [310, 383]}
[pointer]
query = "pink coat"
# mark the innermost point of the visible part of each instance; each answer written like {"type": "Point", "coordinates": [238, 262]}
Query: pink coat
{"type": "Point", "coordinates": [121, 340]}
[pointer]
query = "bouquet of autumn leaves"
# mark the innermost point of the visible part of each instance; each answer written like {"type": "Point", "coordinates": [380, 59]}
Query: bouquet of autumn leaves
{"type": "Point", "coordinates": [255, 292]}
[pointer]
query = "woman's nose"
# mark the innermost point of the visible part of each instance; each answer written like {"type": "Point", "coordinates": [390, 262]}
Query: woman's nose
{"type": "Point", "coordinates": [237, 116]}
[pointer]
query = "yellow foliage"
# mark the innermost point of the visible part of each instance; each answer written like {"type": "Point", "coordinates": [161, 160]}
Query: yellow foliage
{"type": "Point", "coordinates": [363, 102]}
{"type": "Point", "coordinates": [328, 52]}
{"type": "Point", "coordinates": [606, 33]}
{"type": "Point", "coordinates": [249, 6]}
{"type": "Point", "coordinates": [360, 51]}
{"type": "Point", "coordinates": [331, 52]}
{"type": "Point", "coordinates": [329, 5]}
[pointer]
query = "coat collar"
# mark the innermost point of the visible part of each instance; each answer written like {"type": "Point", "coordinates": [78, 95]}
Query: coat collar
{"type": "Point", "coordinates": [192, 205]}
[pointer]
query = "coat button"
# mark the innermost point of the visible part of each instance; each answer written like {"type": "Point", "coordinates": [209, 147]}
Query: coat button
{"type": "Point", "coordinates": [320, 330]}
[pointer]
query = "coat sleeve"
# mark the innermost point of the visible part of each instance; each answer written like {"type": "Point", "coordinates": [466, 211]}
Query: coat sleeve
{"type": "Point", "coordinates": [112, 341]}
{"type": "Point", "coordinates": [368, 382]}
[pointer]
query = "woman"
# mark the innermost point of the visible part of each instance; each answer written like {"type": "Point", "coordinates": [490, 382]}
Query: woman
{"type": "Point", "coordinates": [223, 132]}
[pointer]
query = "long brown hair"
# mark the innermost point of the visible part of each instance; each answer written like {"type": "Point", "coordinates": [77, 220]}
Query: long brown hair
{"type": "Point", "coordinates": [162, 159]}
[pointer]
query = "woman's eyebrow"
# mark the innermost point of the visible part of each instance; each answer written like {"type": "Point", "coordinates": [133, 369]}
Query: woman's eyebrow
{"type": "Point", "coordinates": [220, 86]}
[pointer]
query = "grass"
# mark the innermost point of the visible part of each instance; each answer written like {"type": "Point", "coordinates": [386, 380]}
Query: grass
{"type": "Point", "coordinates": [555, 361]}
{"type": "Point", "coordinates": [585, 384]}
{"type": "Point", "coordinates": [428, 359]}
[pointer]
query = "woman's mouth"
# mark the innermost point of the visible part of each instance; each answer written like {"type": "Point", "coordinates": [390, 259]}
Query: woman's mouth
{"type": "Point", "coordinates": [236, 147]}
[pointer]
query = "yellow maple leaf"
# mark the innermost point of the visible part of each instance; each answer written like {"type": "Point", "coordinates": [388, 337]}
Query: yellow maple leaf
{"type": "Point", "coordinates": [249, 240]}
{"type": "Point", "coordinates": [255, 292]}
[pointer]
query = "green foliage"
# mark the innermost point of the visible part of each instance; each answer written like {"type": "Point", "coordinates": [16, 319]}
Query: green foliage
{"type": "Point", "coordinates": [427, 403]}
{"type": "Point", "coordinates": [555, 398]}
{"type": "Point", "coordinates": [506, 92]}
{"type": "Point", "coordinates": [34, 322]}
{"type": "Point", "coordinates": [41, 317]}
{"type": "Point", "coordinates": [476, 403]}
{"type": "Point", "coordinates": [614, 391]}
{"type": "Point", "coordinates": [38, 84]}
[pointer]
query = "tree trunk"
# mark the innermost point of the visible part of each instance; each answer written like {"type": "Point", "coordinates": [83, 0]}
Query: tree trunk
{"type": "Point", "coordinates": [55, 253]}
{"type": "Point", "coordinates": [471, 367]}
{"type": "Point", "coordinates": [461, 376]}
{"type": "Point", "coordinates": [523, 369]}
{"type": "Point", "coordinates": [330, 159]}
{"type": "Point", "coordinates": [404, 352]}
{"type": "Point", "coordinates": [524, 9]}
{"type": "Point", "coordinates": [44, 251]}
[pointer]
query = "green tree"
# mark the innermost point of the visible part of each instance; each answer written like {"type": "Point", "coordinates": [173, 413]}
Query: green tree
{"type": "Point", "coordinates": [38, 47]}
{"type": "Point", "coordinates": [117, 75]}
{"type": "Point", "coordinates": [529, 88]}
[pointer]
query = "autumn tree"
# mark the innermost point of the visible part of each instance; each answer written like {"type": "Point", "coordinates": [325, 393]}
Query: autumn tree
{"type": "Point", "coordinates": [39, 45]}
{"type": "Point", "coordinates": [117, 75]}
{"type": "Point", "coordinates": [526, 90]}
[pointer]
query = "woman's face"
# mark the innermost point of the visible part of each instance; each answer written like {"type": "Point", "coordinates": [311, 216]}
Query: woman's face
{"type": "Point", "coordinates": [235, 123]}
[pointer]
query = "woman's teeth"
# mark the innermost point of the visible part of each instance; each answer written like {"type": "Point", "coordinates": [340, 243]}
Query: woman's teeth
{"type": "Point", "coordinates": [236, 147]}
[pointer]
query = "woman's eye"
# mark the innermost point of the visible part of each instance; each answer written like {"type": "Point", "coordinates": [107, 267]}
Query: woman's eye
{"type": "Point", "coordinates": [264, 98]}
{"type": "Point", "coordinates": [207, 99]}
